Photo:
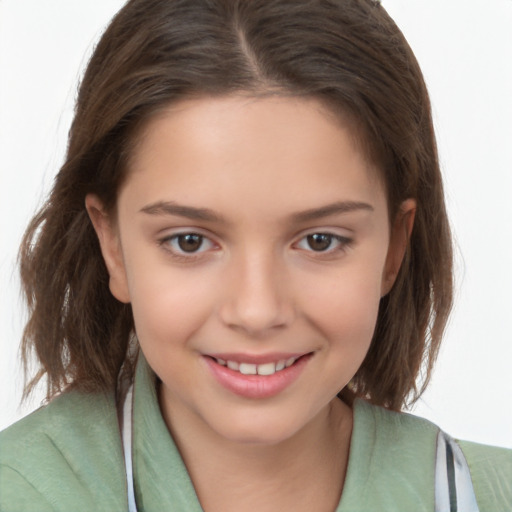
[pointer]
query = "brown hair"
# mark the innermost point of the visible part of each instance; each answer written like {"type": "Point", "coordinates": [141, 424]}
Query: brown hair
{"type": "Point", "coordinates": [348, 53]}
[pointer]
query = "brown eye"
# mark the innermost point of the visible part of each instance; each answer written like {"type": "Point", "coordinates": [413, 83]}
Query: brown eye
{"type": "Point", "coordinates": [187, 245]}
{"type": "Point", "coordinates": [190, 242]}
{"type": "Point", "coordinates": [319, 241]}
{"type": "Point", "coordinates": [328, 243]}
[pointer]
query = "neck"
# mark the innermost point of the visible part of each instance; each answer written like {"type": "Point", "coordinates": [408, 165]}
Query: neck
{"type": "Point", "coordinates": [302, 473]}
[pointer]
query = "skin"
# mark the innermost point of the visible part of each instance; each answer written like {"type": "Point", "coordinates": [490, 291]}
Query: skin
{"type": "Point", "coordinates": [268, 171]}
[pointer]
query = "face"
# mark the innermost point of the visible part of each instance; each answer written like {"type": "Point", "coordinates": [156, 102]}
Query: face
{"type": "Point", "coordinates": [253, 241]}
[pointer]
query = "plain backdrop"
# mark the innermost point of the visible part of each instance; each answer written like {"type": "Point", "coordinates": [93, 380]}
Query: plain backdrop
{"type": "Point", "coordinates": [465, 50]}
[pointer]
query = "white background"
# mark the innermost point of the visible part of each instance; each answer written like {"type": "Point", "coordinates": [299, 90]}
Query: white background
{"type": "Point", "coordinates": [465, 49]}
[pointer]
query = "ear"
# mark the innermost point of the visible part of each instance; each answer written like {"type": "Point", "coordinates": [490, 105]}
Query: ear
{"type": "Point", "coordinates": [110, 244]}
{"type": "Point", "coordinates": [400, 235]}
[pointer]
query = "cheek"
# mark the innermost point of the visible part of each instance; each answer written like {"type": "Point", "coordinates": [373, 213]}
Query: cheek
{"type": "Point", "coordinates": [345, 307]}
{"type": "Point", "coordinates": [168, 305]}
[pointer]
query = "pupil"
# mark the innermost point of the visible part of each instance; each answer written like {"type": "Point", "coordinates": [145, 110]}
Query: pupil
{"type": "Point", "coordinates": [190, 243]}
{"type": "Point", "coordinates": [319, 241]}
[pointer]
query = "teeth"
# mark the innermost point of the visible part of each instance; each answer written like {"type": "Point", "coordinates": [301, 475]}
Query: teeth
{"type": "Point", "coordinates": [233, 365]}
{"type": "Point", "coordinates": [248, 369]}
{"type": "Point", "coordinates": [267, 369]}
{"type": "Point", "coordinates": [290, 361]}
{"type": "Point", "coordinates": [258, 369]}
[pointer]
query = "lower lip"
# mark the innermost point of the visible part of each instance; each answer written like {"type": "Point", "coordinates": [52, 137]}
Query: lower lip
{"type": "Point", "coordinates": [257, 386]}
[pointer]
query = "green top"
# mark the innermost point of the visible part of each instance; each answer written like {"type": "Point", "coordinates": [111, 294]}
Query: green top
{"type": "Point", "coordinates": [67, 456]}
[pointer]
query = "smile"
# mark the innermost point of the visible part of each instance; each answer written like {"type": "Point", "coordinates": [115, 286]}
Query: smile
{"type": "Point", "coordinates": [257, 369]}
{"type": "Point", "coordinates": [257, 377]}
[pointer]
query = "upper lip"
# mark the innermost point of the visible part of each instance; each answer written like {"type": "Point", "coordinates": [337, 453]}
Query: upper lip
{"type": "Point", "coordinates": [257, 358]}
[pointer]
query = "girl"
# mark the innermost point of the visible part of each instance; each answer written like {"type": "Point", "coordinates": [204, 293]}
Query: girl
{"type": "Point", "coordinates": [242, 268]}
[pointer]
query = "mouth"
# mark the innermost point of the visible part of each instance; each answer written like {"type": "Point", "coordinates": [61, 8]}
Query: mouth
{"type": "Point", "coordinates": [265, 369]}
{"type": "Point", "coordinates": [257, 377]}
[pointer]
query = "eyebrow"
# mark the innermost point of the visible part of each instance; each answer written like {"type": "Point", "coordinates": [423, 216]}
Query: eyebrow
{"type": "Point", "coordinates": [190, 212]}
{"type": "Point", "coordinates": [331, 209]}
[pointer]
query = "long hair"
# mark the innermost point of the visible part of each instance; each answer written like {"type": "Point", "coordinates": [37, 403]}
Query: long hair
{"type": "Point", "coordinates": [348, 54]}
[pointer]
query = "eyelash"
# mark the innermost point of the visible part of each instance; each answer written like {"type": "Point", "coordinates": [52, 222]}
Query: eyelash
{"type": "Point", "coordinates": [178, 253]}
{"type": "Point", "coordinates": [342, 243]}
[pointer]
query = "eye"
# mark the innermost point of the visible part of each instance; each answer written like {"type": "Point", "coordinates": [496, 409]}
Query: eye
{"type": "Point", "coordinates": [187, 243]}
{"type": "Point", "coordinates": [322, 242]}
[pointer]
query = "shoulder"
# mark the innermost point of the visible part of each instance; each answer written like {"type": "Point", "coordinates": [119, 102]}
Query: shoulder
{"type": "Point", "coordinates": [395, 426]}
{"type": "Point", "coordinates": [406, 446]}
{"type": "Point", "coordinates": [391, 461]}
{"type": "Point", "coordinates": [64, 456]}
{"type": "Point", "coordinates": [491, 473]}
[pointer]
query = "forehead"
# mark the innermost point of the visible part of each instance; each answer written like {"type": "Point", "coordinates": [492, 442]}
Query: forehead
{"type": "Point", "coordinates": [286, 149]}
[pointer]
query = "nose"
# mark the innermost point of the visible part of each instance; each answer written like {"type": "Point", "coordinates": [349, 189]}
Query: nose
{"type": "Point", "coordinates": [257, 299]}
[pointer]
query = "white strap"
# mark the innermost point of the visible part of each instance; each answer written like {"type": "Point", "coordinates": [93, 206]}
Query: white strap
{"type": "Point", "coordinates": [453, 486]}
{"type": "Point", "coordinates": [126, 435]}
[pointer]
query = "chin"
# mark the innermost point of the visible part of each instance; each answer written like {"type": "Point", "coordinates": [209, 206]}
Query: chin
{"type": "Point", "coordinates": [258, 429]}
{"type": "Point", "coordinates": [250, 437]}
